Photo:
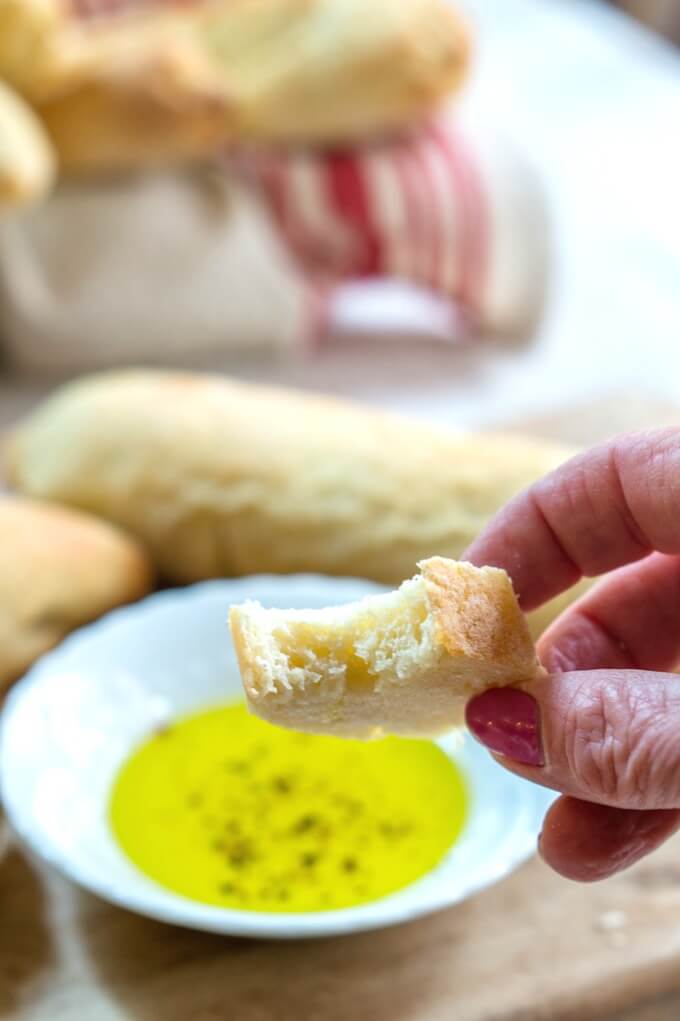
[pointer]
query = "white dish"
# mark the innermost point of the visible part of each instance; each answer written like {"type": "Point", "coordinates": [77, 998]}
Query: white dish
{"type": "Point", "coordinates": [73, 720]}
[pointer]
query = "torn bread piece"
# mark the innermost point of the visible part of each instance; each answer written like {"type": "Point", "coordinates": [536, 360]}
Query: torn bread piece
{"type": "Point", "coordinates": [405, 662]}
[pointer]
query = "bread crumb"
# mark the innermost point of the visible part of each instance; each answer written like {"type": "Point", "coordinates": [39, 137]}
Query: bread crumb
{"type": "Point", "coordinates": [613, 924]}
{"type": "Point", "coordinates": [610, 921]}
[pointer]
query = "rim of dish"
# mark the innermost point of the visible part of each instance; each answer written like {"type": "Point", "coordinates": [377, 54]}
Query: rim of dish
{"type": "Point", "coordinates": [167, 906]}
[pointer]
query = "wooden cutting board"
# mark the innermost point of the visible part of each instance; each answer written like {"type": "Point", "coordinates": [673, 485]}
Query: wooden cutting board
{"type": "Point", "coordinates": [534, 947]}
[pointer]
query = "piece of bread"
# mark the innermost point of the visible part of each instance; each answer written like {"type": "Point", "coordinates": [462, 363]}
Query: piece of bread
{"type": "Point", "coordinates": [33, 35]}
{"type": "Point", "coordinates": [168, 83]}
{"type": "Point", "coordinates": [402, 663]}
{"type": "Point", "coordinates": [58, 570]}
{"type": "Point", "coordinates": [222, 478]}
{"type": "Point", "coordinates": [27, 164]}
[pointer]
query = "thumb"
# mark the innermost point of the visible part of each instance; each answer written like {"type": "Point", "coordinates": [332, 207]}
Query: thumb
{"type": "Point", "coordinates": [605, 736]}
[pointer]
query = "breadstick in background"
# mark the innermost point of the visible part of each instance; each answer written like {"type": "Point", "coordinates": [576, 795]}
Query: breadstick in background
{"type": "Point", "coordinates": [168, 83]}
{"type": "Point", "coordinates": [221, 478]}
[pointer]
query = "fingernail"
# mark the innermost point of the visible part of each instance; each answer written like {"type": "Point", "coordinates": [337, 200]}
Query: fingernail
{"type": "Point", "coordinates": [507, 721]}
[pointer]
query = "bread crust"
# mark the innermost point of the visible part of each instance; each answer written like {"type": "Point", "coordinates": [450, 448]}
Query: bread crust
{"type": "Point", "coordinates": [220, 478]}
{"type": "Point", "coordinates": [477, 615]}
{"type": "Point", "coordinates": [59, 569]}
{"type": "Point", "coordinates": [163, 85]}
{"type": "Point", "coordinates": [31, 36]}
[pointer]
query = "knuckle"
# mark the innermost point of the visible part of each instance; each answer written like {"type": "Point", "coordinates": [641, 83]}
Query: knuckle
{"type": "Point", "coordinates": [649, 466]}
{"type": "Point", "coordinates": [612, 743]}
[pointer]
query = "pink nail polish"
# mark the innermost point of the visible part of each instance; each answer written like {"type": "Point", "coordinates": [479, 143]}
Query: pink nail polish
{"type": "Point", "coordinates": [507, 722]}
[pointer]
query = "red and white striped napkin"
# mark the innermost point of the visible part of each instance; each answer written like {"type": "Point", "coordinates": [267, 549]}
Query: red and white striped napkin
{"type": "Point", "coordinates": [413, 208]}
{"type": "Point", "coordinates": [450, 206]}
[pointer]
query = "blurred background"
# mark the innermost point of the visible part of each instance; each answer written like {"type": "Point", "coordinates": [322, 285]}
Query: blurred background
{"type": "Point", "coordinates": [465, 212]}
{"type": "Point", "coordinates": [520, 254]}
{"type": "Point", "coordinates": [662, 15]}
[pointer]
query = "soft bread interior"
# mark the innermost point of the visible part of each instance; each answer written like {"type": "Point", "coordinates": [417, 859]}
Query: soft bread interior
{"type": "Point", "coordinates": [404, 662]}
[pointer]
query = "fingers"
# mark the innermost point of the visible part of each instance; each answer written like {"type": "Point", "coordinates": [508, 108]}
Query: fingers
{"type": "Point", "coordinates": [607, 739]}
{"type": "Point", "coordinates": [589, 842]}
{"type": "Point", "coordinates": [605, 736]}
{"type": "Point", "coordinates": [605, 508]}
{"type": "Point", "coordinates": [630, 619]}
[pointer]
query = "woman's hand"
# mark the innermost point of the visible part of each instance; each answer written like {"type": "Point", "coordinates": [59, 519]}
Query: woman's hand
{"type": "Point", "coordinates": [604, 727]}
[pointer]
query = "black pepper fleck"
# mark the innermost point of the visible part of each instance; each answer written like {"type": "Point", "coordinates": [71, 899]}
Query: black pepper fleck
{"type": "Point", "coordinates": [305, 823]}
{"type": "Point", "coordinates": [282, 784]}
{"type": "Point", "coordinates": [241, 854]}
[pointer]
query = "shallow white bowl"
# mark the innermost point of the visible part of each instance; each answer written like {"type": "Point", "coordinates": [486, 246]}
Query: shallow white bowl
{"type": "Point", "coordinates": [72, 721]}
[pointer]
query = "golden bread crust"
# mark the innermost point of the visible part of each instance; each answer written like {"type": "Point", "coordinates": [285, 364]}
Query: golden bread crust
{"type": "Point", "coordinates": [477, 615]}
{"type": "Point", "coordinates": [59, 569]}
{"type": "Point", "coordinates": [31, 34]}
{"type": "Point", "coordinates": [161, 85]}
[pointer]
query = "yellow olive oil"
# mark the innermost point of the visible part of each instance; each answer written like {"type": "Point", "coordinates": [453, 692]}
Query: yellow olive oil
{"type": "Point", "coordinates": [228, 810]}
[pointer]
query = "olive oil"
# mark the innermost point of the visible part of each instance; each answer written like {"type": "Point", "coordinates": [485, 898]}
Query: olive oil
{"type": "Point", "coordinates": [225, 809]}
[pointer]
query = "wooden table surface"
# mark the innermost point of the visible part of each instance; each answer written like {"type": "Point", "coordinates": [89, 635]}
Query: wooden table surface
{"type": "Point", "coordinates": [533, 947]}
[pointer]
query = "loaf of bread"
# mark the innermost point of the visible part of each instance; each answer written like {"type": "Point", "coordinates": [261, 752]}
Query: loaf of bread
{"type": "Point", "coordinates": [27, 162]}
{"type": "Point", "coordinates": [402, 663]}
{"type": "Point", "coordinates": [58, 569]}
{"type": "Point", "coordinates": [221, 478]}
{"type": "Point", "coordinates": [172, 82]}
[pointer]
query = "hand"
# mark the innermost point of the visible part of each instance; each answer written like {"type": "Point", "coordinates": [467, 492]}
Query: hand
{"type": "Point", "coordinates": [604, 727]}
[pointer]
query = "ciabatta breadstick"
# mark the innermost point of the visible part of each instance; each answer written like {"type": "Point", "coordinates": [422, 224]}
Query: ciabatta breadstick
{"type": "Point", "coordinates": [224, 478]}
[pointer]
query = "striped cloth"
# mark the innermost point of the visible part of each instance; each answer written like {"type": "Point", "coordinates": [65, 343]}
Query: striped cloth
{"type": "Point", "coordinates": [424, 207]}
{"type": "Point", "coordinates": [412, 208]}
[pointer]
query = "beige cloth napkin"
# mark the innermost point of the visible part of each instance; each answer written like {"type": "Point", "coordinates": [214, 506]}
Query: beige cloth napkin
{"type": "Point", "coordinates": [170, 268]}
